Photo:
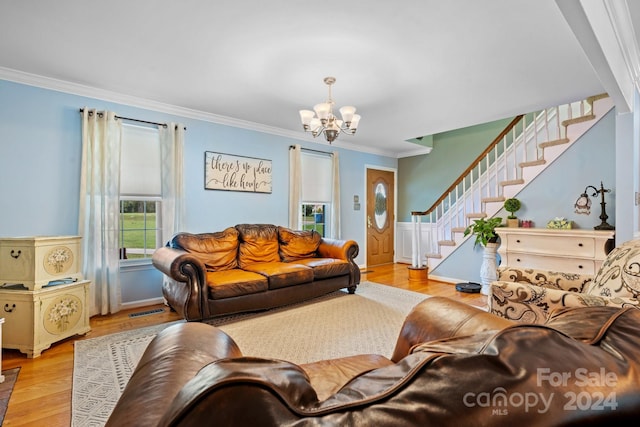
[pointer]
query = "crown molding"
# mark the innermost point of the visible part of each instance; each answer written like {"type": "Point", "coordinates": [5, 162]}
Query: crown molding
{"type": "Point", "coordinates": [119, 98]}
{"type": "Point", "coordinates": [622, 26]}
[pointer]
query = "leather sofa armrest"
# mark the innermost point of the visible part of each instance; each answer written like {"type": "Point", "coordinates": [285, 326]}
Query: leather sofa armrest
{"type": "Point", "coordinates": [186, 291]}
{"type": "Point", "coordinates": [171, 261]}
{"type": "Point", "coordinates": [439, 318]}
{"type": "Point", "coordinates": [342, 249]}
{"type": "Point", "coordinates": [170, 361]}
{"type": "Point", "coordinates": [339, 249]}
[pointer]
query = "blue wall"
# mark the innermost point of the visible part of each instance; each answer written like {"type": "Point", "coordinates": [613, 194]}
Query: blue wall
{"type": "Point", "coordinates": [40, 154]}
{"type": "Point", "coordinates": [553, 193]}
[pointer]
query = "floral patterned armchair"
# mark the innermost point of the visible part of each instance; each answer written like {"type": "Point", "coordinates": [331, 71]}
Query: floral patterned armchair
{"type": "Point", "coordinates": [530, 296]}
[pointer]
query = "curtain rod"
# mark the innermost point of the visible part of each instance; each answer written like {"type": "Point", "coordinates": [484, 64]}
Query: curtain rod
{"type": "Point", "coordinates": [291, 147]}
{"type": "Point", "coordinates": [139, 121]}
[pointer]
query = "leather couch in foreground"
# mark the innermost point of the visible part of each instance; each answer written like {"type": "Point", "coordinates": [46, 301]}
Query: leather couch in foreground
{"type": "Point", "coordinates": [252, 267]}
{"type": "Point", "coordinates": [452, 365]}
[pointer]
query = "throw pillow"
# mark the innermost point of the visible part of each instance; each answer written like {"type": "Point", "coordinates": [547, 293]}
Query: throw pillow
{"type": "Point", "coordinates": [298, 244]}
{"type": "Point", "coordinates": [218, 251]}
{"type": "Point", "coordinates": [258, 243]}
{"type": "Point", "coordinates": [619, 275]}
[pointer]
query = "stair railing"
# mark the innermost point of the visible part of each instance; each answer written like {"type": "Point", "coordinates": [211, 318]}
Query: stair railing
{"type": "Point", "coordinates": [519, 145]}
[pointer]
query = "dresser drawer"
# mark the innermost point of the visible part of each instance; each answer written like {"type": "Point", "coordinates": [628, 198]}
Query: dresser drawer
{"type": "Point", "coordinates": [35, 261]}
{"type": "Point", "coordinates": [539, 244]}
{"type": "Point", "coordinates": [553, 263]}
{"type": "Point", "coordinates": [37, 319]}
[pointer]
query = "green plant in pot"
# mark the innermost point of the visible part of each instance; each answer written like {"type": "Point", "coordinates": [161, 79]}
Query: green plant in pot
{"type": "Point", "coordinates": [512, 205]}
{"type": "Point", "coordinates": [484, 230]}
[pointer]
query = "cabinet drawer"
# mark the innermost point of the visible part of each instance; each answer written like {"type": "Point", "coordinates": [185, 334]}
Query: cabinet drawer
{"type": "Point", "coordinates": [572, 246]}
{"type": "Point", "coordinates": [566, 265]}
{"type": "Point", "coordinates": [35, 261]}
{"type": "Point", "coordinates": [37, 319]}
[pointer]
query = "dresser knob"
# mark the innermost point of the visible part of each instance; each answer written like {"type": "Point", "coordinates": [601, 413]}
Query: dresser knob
{"type": "Point", "coordinates": [15, 254]}
{"type": "Point", "coordinates": [580, 244]}
{"type": "Point", "coordinates": [579, 266]}
{"type": "Point", "coordinates": [518, 241]}
{"type": "Point", "coordinates": [8, 308]}
{"type": "Point", "coordinates": [518, 259]}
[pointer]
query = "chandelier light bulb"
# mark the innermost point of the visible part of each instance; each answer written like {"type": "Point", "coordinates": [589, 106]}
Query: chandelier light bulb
{"type": "Point", "coordinates": [306, 116]}
{"type": "Point", "coordinates": [347, 113]}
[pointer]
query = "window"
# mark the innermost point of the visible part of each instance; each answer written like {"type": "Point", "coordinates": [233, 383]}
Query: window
{"type": "Point", "coordinates": [317, 179]}
{"type": "Point", "coordinates": [313, 218]}
{"type": "Point", "coordinates": [140, 193]}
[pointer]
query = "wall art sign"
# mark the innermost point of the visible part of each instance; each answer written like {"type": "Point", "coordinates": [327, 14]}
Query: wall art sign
{"type": "Point", "coordinates": [236, 173]}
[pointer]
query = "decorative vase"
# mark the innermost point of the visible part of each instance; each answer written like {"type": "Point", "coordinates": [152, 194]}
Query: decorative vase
{"type": "Point", "coordinates": [489, 267]}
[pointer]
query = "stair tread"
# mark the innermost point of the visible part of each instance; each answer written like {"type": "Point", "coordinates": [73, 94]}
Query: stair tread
{"type": "Point", "coordinates": [493, 199]}
{"type": "Point", "coordinates": [553, 142]}
{"type": "Point", "coordinates": [446, 242]}
{"type": "Point", "coordinates": [512, 182]}
{"type": "Point", "coordinates": [594, 98]}
{"type": "Point", "coordinates": [458, 229]}
{"type": "Point", "coordinates": [477, 215]}
{"type": "Point", "coordinates": [580, 119]}
{"type": "Point", "coordinates": [533, 163]}
{"type": "Point", "coordinates": [433, 255]}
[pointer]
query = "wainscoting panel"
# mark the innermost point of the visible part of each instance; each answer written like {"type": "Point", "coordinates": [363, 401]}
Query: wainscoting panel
{"type": "Point", "coordinates": [404, 232]}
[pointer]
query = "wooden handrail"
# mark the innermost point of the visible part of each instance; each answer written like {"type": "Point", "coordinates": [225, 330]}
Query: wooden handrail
{"type": "Point", "coordinates": [475, 163]}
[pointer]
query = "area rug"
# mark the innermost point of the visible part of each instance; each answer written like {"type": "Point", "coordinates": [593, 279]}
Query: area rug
{"type": "Point", "coordinates": [335, 325]}
{"type": "Point", "coordinates": [6, 388]}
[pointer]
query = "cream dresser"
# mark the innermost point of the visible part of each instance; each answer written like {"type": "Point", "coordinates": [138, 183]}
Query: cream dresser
{"type": "Point", "coordinates": [571, 251]}
{"type": "Point", "coordinates": [42, 294]}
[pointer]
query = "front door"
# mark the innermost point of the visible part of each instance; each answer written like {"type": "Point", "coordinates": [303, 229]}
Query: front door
{"type": "Point", "coordinates": [380, 216]}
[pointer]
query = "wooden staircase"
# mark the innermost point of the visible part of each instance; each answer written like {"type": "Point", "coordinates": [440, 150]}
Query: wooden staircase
{"type": "Point", "coordinates": [526, 147]}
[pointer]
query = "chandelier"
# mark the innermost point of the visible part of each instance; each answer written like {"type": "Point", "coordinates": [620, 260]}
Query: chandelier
{"type": "Point", "coordinates": [323, 120]}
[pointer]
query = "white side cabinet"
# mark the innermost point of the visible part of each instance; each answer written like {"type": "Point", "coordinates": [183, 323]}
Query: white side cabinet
{"type": "Point", "coordinates": [36, 319]}
{"type": "Point", "coordinates": [570, 251]}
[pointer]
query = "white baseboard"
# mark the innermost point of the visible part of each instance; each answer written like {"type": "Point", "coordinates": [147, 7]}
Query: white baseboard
{"type": "Point", "coordinates": [141, 303]}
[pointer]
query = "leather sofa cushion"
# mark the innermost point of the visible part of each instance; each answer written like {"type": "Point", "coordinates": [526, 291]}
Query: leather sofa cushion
{"type": "Point", "coordinates": [282, 274]}
{"type": "Point", "coordinates": [235, 283]}
{"type": "Point", "coordinates": [324, 268]}
{"type": "Point", "coordinates": [297, 244]}
{"type": "Point", "coordinates": [258, 243]}
{"type": "Point", "coordinates": [329, 376]}
{"type": "Point", "coordinates": [217, 251]}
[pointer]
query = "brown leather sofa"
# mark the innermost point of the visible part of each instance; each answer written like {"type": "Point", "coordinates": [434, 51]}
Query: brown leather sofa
{"type": "Point", "coordinates": [452, 365]}
{"type": "Point", "coordinates": [252, 267]}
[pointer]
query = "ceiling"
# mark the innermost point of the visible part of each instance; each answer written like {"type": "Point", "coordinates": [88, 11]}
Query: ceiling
{"type": "Point", "coordinates": [412, 68]}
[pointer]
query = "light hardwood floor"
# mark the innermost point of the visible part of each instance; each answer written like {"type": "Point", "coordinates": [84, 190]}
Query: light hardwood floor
{"type": "Point", "coordinates": [42, 394]}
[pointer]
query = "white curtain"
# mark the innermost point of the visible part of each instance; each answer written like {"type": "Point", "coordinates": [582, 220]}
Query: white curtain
{"type": "Point", "coordinates": [171, 150]}
{"type": "Point", "coordinates": [295, 187]}
{"type": "Point", "coordinates": [334, 228]}
{"type": "Point", "coordinates": [99, 208]}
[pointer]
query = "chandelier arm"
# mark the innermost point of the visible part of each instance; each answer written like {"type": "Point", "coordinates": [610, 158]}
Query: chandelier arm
{"type": "Point", "coordinates": [346, 130]}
